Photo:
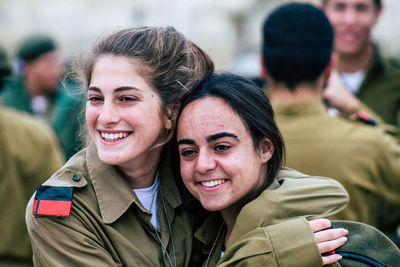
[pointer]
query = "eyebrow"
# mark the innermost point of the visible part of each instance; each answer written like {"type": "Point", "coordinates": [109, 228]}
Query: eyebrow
{"type": "Point", "coordinates": [209, 138]}
{"type": "Point", "coordinates": [186, 142]}
{"type": "Point", "coordinates": [119, 89]}
{"type": "Point", "coordinates": [220, 135]}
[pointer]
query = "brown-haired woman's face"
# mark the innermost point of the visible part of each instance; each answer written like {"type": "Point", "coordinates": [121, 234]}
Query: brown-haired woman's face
{"type": "Point", "coordinates": [219, 164]}
{"type": "Point", "coordinates": [123, 112]}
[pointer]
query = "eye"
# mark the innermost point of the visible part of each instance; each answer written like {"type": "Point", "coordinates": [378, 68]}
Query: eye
{"type": "Point", "coordinates": [340, 7]}
{"type": "Point", "coordinates": [362, 8]}
{"type": "Point", "coordinates": [128, 99]}
{"type": "Point", "coordinates": [94, 98]}
{"type": "Point", "coordinates": [188, 152]}
{"type": "Point", "coordinates": [221, 148]}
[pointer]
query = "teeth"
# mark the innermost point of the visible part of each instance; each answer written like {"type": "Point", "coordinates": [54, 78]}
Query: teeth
{"type": "Point", "coordinates": [113, 137]}
{"type": "Point", "coordinates": [212, 183]}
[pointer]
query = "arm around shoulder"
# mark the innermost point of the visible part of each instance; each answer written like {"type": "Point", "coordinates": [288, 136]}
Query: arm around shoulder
{"type": "Point", "coordinates": [290, 243]}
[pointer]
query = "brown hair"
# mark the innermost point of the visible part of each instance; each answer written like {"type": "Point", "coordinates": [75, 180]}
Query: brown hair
{"type": "Point", "coordinates": [170, 63]}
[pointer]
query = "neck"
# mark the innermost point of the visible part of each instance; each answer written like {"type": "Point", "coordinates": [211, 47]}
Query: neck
{"type": "Point", "coordinates": [282, 95]}
{"type": "Point", "coordinates": [141, 173]}
{"type": "Point", "coordinates": [355, 62]}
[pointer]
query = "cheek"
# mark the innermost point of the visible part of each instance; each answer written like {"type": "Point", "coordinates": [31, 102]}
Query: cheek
{"type": "Point", "coordinates": [90, 116]}
{"type": "Point", "coordinates": [186, 171]}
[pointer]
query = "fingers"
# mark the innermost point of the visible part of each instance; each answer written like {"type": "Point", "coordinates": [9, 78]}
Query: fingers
{"type": "Point", "coordinates": [330, 234]}
{"type": "Point", "coordinates": [331, 244]}
{"type": "Point", "coordinates": [328, 239]}
{"type": "Point", "coordinates": [319, 224]}
{"type": "Point", "coordinates": [331, 259]}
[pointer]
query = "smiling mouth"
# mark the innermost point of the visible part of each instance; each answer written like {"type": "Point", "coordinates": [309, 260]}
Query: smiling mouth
{"type": "Point", "coordinates": [212, 183]}
{"type": "Point", "coordinates": [112, 137]}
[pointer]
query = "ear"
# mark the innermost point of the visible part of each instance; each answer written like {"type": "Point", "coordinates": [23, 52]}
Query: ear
{"type": "Point", "coordinates": [266, 149]}
{"type": "Point", "coordinates": [264, 72]}
{"type": "Point", "coordinates": [171, 113]}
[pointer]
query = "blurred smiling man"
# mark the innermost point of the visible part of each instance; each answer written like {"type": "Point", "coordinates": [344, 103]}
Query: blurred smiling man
{"type": "Point", "coordinates": [362, 74]}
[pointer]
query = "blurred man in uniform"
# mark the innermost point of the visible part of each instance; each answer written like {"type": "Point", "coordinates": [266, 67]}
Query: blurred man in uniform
{"type": "Point", "coordinates": [29, 154]}
{"type": "Point", "coordinates": [297, 48]}
{"type": "Point", "coordinates": [38, 91]}
{"type": "Point", "coordinates": [361, 73]}
{"type": "Point", "coordinates": [5, 68]}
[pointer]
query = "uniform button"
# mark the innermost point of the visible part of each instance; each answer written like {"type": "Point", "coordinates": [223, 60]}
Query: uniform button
{"type": "Point", "coordinates": [76, 177]}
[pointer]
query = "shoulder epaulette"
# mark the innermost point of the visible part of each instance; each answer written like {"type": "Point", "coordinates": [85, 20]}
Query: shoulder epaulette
{"type": "Point", "coordinates": [53, 201]}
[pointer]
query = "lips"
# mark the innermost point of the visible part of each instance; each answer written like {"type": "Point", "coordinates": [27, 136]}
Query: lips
{"type": "Point", "coordinates": [212, 183]}
{"type": "Point", "coordinates": [115, 136]}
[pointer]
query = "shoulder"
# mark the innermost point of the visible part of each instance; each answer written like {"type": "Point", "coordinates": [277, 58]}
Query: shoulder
{"type": "Point", "coordinates": [72, 174]}
{"type": "Point", "coordinates": [360, 129]}
{"type": "Point", "coordinates": [55, 194]}
{"type": "Point", "coordinates": [25, 128]}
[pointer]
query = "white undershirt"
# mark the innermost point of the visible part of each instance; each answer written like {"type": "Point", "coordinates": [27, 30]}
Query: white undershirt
{"type": "Point", "coordinates": [148, 198]}
{"type": "Point", "coordinates": [352, 80]}
{"type": "Point", "coordinates": [40, 105]}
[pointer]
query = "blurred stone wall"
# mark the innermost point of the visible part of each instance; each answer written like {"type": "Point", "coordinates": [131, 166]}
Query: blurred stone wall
{"type": "Point", "coordinates": [229, 30]}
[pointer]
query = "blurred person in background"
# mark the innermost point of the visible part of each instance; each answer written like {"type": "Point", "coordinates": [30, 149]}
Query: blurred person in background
{"type": "Point", "coordinates": [29, 153]}
{"type": "Point", "coordinates": [361, 74]}
{"type": "Point", "coordinates": [364, 159]}
{"type": "Point", "coordinates": [5, 68]}
{"type": "Point", "coordinates": [38, 90]}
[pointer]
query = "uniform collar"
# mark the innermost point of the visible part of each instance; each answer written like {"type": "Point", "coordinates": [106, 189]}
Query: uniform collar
{"type": "Point", "coordinates": [308, 107]}
{"type": "Point", "coordinates": [115, 195]}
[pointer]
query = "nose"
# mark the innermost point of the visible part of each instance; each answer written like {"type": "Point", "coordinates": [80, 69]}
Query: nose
{"type": "Point", "coordinates": [205, 162]}
{"type": "Point", "coordinates": [108, 114]}
{"type": "Point", "coordinates": [350, 16]}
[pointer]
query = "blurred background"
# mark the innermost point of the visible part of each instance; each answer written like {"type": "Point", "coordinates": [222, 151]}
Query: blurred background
{"type": "Point", "coordinates": [229, 30]}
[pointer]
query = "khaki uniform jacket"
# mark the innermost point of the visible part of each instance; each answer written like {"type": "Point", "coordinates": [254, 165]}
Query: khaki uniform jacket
{"type": "Point", "coordinates": [263, 235]}
{"type": "Point", "coordinates": [29, 154]}
{"type": "Point", "coordinates": [380, 89]}
{"type": "Point", "coordinates": [108, 225]}
{"type": "Point", "coordinates": [362, 158]}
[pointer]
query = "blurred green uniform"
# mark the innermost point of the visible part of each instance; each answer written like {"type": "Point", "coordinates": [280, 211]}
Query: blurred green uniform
{"type": "Point", "coordinates": [29, 154]}
{"type": "Point", "coordinates": [362, 158]}
{"type": "Point", "coordinates": [380, 88]}
{"type": "Point", "coordinates": [64, 115]}
{"type": "Point", "coordinates": [288, 243]}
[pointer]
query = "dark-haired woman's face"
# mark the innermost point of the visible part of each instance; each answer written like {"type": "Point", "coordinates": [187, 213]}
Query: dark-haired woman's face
{"type": "Point", "coordinates": [219, 164]}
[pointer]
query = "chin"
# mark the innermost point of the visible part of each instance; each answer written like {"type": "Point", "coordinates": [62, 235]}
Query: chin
{"type": "Point", "coordinates": [110, 159]}
{"type": "Point", "coordinates": [212, 206]}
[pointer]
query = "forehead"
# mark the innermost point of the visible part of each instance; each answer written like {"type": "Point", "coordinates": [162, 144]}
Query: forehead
{"type": "Point", "coordinates": [209, 115]}
{"type": "Point", "coordinates": [111, 71]}
{"type": "Point", "coordinates": [350, 2]}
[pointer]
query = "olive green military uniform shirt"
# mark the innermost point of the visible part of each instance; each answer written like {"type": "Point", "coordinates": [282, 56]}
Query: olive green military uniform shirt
{"type": "Point", "coordinates": [380, 88]}
{"type": "Point", "coordinates": [272, 230]}
{"type": "Point", "coordinates": [361, 157]}
{"type": "Point", "coordinates": [29, 154]}
{"type": "Point", "coordinates": [108, 226]}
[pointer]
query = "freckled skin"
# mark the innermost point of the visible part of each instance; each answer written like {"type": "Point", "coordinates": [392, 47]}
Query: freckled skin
{"type": "Point", "coordinates": [137, 111]}
{"type": "Point", "coordinates": [233, 159]}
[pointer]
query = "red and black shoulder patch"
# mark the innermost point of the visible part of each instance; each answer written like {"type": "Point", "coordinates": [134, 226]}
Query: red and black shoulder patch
{"type": "Point", "coordinates": [53, 200]}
